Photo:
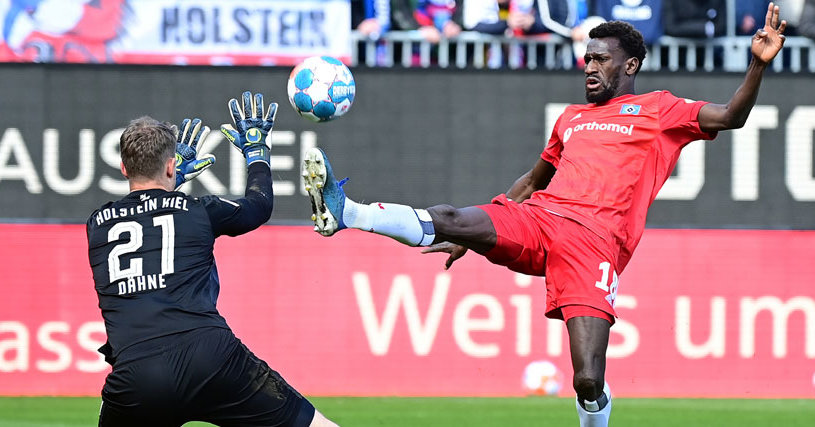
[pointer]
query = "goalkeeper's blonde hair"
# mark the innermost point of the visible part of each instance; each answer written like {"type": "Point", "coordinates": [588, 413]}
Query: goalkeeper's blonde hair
{"type": "Point", "coordinates": [145, 145]}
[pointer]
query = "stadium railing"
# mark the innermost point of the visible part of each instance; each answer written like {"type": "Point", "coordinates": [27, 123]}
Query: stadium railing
{"type": "Point", "coordinates": [469, 49]}
{"type": "Point", "coordinates": [551, 52]}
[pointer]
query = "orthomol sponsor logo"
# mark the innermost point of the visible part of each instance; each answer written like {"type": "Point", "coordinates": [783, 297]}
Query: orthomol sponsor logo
{"type": "Point", "coordinates": [609, 127]}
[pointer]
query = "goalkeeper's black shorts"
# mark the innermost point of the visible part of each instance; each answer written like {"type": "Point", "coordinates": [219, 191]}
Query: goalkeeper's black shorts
{"type": "Point", "coordinates": [205, 375]}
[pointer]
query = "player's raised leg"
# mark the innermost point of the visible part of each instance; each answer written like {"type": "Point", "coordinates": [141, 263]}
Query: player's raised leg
{"type": "Point", "coordinates": [332, 211]}
{"type": "Point", "coordinates": [588, 341]}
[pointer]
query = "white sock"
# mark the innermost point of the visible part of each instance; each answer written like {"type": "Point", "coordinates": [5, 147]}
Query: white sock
{"type": "Point", "coordinates": [590, 412]}
{"type": "Point", "coordinates": [410, 226]}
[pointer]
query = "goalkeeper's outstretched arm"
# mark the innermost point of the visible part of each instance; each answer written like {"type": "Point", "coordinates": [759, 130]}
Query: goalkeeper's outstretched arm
{"type": "Point", "coordinates": [234, 217]}
{"type": "Point", "coordinates": [250, 134]}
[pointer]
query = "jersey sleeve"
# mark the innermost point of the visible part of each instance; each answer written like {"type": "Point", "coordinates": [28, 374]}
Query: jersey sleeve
{"type": "Point", "coordinates": [234, 217]}
{"type": "Point", "coordinates": [679, 117]}
{"type": "Point", "coordinates": [553, 149]}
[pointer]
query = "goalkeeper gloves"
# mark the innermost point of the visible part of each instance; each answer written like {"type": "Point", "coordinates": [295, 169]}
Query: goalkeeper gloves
{"type": "Point", "coordinates": [187, 165]}
{"type": "Point", "coordinates": [252, 127]}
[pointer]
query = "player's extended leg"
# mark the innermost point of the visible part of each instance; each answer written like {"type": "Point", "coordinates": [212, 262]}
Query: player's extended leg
{"type": "Point", "coordinates": [470, 227]}
{"type": "Point", "coordinates": [333, 211]}
{"type": "Point", "coordinates": [588, 341]}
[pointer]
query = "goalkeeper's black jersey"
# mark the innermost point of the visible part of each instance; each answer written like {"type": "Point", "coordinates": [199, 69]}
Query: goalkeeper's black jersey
{"type": "Point", "coordinates": [152, 258]}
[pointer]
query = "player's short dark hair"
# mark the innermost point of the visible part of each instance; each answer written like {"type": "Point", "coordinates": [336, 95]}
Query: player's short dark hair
{"type": "Point", "coordinates": [630, 39]}
{"type": "Point", "coordinates": [145, 145]}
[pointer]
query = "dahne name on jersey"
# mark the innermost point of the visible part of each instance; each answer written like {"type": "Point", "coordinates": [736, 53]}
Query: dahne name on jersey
{"type": "Point", "coordinates": [611, 127]}
{"type": "Point", "coordinates": [174, 202]}
{"type": "Point", "coordinates": [141, 283]}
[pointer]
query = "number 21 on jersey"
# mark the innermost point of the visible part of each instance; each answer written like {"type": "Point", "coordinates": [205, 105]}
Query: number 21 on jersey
{"type": "Point", "coordinates": [134, 242]}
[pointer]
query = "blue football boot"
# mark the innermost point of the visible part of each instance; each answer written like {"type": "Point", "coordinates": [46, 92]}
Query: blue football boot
{"type": "Point", "coordinates": [326, 193]}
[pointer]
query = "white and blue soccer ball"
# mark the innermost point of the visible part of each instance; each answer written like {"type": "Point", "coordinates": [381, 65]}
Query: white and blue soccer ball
{"type": "Point", "coordinates": [542, 378]}
{"type": "Point", "coordinates": [321, 88]}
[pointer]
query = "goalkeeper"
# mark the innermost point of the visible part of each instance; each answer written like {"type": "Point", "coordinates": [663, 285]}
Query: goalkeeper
{"type": "Point", "coordinates": [174, 357]}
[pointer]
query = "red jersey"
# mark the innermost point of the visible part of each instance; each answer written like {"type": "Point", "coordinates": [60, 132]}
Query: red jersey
{"type": "Point", "coordinates": [613, 158]}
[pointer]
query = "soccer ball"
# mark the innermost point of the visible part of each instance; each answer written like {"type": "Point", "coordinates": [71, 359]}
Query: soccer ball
{"type": "Point", "coordinates": [321, 88]}
{"type": "Point", "coordinates": [542, 378]}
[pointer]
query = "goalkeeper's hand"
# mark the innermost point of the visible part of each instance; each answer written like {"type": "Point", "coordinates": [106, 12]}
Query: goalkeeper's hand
{"type": "Point", "coordinates": [252, 127]}
{"type": "Point", "coordinates": [187, 165]}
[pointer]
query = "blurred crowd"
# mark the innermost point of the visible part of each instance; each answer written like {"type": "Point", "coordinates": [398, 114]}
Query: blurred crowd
{"type": "Point", "coordinates": [572, 19]}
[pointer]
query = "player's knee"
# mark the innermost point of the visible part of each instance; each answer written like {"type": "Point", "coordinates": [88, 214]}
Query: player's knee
{"type": "Point", "coordinates": [587, 385]}
{"type": "Point", "coordinates": [445, 217]}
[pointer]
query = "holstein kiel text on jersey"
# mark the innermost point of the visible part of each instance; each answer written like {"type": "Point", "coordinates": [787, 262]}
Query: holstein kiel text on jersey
{"type": "Point", "coordinates": [171, 202]}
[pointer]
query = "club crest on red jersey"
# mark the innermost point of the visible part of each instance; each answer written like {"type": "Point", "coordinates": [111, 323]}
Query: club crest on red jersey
{"type": "Point", "coordinates": [632, 109]}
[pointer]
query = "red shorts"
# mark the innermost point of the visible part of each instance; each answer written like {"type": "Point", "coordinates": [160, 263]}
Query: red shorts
{"type": "Point", "coordinates": [578, 264]}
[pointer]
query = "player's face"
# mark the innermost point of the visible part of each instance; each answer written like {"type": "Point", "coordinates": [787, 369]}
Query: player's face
{"type": "Point", "coordinates": [605, 65]}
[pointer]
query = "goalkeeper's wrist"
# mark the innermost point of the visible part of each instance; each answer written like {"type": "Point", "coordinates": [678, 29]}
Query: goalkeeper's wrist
{"type": "Point", "coordinates": [257, 153]}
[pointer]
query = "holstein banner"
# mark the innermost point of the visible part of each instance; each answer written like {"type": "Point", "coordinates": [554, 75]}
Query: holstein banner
{"type": "Point", "coordinates": [204, 32]}
{"type": "Point", "coordinates": [714, 313]}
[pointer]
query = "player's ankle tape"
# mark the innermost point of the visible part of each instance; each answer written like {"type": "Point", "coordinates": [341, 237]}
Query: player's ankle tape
{"type": "Point", "coordinates": [428, 230]}
{"type": "Point", "coordinates": [594, 405]}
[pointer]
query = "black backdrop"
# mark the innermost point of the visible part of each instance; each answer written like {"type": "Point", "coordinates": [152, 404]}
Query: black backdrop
{"type": "Point", "coordinates": [419, 137]}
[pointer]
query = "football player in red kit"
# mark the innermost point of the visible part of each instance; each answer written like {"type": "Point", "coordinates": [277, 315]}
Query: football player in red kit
{"type": "Point", "coordinates": [578, 214]}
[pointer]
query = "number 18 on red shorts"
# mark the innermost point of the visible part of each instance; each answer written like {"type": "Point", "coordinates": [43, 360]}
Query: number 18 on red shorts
{"type": "Point", "coordinates": [579, 265]}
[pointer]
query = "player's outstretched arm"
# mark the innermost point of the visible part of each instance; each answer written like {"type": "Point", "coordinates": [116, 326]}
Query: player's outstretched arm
{"type": "Point", "coordinates": [536, 179]}
{"type": "Point", "coordinates": [187, 163]}
{"type": "Point", "coordinates": [249, 133]}
{"type": "Point", "coordinates": [767, 42]}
